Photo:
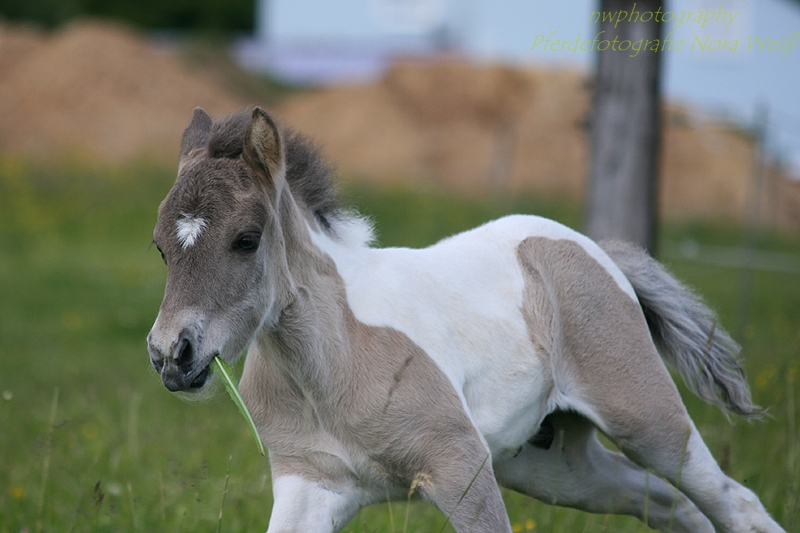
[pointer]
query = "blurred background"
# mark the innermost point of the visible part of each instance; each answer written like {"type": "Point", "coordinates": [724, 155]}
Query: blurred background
{"type": "Point", "coordinates": [439, 115]}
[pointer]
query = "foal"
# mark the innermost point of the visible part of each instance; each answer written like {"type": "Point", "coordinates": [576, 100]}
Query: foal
{"type": "Point", "coordinates": [491, 357]}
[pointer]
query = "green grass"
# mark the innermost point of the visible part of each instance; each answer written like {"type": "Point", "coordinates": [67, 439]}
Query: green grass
{"type": "Point", "coordinates": [91, 441]}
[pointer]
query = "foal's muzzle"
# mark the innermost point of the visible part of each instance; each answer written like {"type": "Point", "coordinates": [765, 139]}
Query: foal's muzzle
{"type": "Point", "coordinates": [179, 369]}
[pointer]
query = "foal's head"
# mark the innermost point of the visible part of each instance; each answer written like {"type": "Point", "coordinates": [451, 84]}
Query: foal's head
{"type": "Point", "coordinates": [219, 232]}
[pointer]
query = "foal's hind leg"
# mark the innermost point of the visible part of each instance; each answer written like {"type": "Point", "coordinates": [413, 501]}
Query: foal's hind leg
{"type": "Point", "coordinates": [574, 470]}
{"type": "Point", "coordinates": [606, 368]}
{"type": "Point", "coordinates": [632, 398]}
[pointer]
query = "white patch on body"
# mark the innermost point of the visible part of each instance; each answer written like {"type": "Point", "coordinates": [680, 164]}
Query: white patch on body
{"type": "Point", "coordinates": [188, 229]}
{"type": "Point", "coordinates": [460, 300]}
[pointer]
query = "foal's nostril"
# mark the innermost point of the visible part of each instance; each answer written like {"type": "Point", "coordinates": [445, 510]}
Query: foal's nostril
{"type": "Point", "coordinates": [184, 351]}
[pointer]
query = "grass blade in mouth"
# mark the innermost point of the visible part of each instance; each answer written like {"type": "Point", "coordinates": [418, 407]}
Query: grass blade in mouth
{"type": "Point", "coordinates": [221, 368]}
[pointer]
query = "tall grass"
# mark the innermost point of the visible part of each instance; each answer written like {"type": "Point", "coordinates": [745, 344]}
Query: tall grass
{"type": "Point", "coordinates": [112, 450]}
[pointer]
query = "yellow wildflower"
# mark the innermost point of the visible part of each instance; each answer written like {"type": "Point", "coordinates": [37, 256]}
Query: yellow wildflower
{"type": "Point", "coordinates": [90, 431]}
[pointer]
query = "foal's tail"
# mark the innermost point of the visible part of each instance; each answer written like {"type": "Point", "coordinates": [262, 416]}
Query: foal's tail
{"type": "Point", "coordinates": [686, 332]}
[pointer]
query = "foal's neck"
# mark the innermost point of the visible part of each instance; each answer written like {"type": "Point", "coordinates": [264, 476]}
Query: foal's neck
{"type": "Point", "coordinates": [310, 332]}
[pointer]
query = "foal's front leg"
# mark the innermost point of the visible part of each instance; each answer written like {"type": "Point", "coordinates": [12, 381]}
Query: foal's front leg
{"type": "Point", "coordinates": [466, 492]}
{"type": "Point", "coordinates": [302, 505]}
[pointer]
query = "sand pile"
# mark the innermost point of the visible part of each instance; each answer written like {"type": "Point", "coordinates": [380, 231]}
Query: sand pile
{"type": "Point", "coordinates": [454, 124]}
{"type": "Point", "coordinates": [16, 43]}
{"type": "Point", "coordinates": [480, 128]}
{"type": "Point", "coordinates": [104, 93]}
{"type": "Point", "coordinates": [97, 90]}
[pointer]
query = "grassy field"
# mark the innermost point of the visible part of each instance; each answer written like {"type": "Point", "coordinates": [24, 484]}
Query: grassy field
{"type": "Point", "coordinates": [91, 441]}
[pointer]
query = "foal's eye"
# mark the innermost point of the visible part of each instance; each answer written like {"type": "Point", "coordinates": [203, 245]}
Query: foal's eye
{"type": "Point", "coordinates": [247, 242]}
{"type": "Point", "coordinates": [163, 257]}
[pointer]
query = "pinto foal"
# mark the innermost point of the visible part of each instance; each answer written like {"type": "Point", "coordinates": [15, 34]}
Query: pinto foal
{"type": "Point", "coordinates": [491, 357]}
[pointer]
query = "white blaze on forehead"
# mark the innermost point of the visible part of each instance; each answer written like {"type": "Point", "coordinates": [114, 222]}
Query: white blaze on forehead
{"type": "Point", "coordinates": [188, 228]}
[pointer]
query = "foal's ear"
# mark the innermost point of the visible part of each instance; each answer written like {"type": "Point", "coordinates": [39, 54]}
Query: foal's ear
{"type": "Point", "coordinates": [263, 145]}
{"type": "Point", "coordinates": [196, 133]}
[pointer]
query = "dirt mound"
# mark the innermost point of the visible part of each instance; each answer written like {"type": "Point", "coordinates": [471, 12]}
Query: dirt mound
{"type": "Point", "coordinates": [16, 43]}
{"type": "Point", "coordinates": [458, 125]}
{"type": "Point", "coordinates": [107, 94]}
{"type": "Point", "coordinates": [458, 92]}
{"type": "Point", "coordinates": [98, 90]}
{"type": "Point", "coordinates": [482, 128]}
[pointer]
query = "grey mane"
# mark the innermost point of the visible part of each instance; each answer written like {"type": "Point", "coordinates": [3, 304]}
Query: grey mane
{"type": "Point", "coordinates": [308, 173]}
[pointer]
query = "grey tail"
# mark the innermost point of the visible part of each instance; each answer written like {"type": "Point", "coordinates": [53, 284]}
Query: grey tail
{"type": "Point", "coordinates": [686, 332]}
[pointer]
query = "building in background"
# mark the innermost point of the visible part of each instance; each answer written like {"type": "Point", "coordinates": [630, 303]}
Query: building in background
{"type": "Point", "coordinates": [318, 41]}
{"type": "Point", "coordinates": [323, 42]}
